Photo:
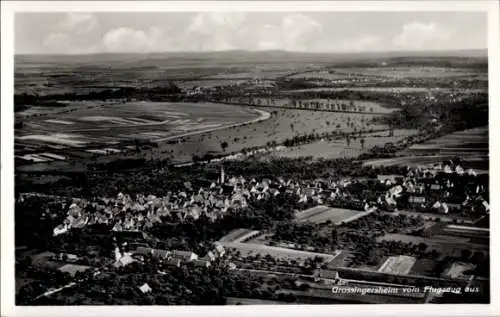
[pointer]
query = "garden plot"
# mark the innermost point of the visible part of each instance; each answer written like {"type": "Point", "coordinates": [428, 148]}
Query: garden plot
{"type": "Point", "coordinates": [401, 264]}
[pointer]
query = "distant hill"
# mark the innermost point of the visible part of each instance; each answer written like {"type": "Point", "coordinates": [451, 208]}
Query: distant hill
{"type": "Point", "coordinates": [235, 56]}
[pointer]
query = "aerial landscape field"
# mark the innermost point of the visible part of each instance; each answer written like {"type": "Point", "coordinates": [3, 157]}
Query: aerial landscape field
{"type": "Point", "coordinates": [252, 177]}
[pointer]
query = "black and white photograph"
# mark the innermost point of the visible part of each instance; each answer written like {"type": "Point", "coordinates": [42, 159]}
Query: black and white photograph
{"type": "Point", "coordinates": [212, 155]}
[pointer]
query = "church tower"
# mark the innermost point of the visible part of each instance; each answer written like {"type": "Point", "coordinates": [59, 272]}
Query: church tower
{"type": "Point", "coordinates": [222, 175]}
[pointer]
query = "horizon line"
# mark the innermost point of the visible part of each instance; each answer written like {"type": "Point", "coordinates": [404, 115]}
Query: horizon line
{"type": "Point", "coordinates": [255, 51]}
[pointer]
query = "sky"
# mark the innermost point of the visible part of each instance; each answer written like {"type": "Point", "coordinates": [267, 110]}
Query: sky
{"type": "Point", "coordinates": [148, 32]}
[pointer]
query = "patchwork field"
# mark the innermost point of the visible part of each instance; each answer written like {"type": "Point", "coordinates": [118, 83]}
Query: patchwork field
{"type": "Point", "coordinates": [139, 119]}
{"type": "Point", "coordinates": [465, 143]}
{"type": "Point", "coordinates": [412, 72]}
{"type": "Point", "coordinates": [248, 249]}
{"type": "Point", "coordinates": [100, 129]}
{"type": "Point", "coordinates": [97, 129]}
{"type": "Point", "coordinates": [320, 214]}
{"type": "Point", "coordinates": [471, 146]}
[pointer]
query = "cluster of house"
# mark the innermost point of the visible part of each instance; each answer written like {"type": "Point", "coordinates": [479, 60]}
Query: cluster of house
{"type": "Point", "coordinates": [440, 188]}
{"type": "Point", "coordinates": [126, 213]}
{"type": "Point", "coordinates": [125, 255]}
{"type": "Point", "coordinates": [237, 87]}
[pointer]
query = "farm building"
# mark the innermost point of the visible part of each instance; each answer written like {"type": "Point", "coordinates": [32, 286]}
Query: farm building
{"type": "Point", "coordinates": [184, 255]}
{"type": "Point", "coordinates": [157, 253]}
{"type": "Point", "coordinates": [162, 254]}
{"type": "Point", "coordinates": [144, 250]}
{"type": "Point", "coordinates": [417, 200]}
{"type": "Point", "coordinates": [124, 261]}
{"type": "Point", "coordinates": [390, 179]}
{"type": "Point", "coordinates": [210, 256]}
{"type": "Point", "coordinates": [219, 250]}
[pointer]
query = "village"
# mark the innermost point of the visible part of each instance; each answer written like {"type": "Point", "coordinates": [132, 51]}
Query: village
{"type": "Point", "coordinates": [435, 200]}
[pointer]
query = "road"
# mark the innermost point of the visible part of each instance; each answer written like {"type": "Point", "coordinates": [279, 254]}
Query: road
{"type": "Point", "coordinates": [322, 279]}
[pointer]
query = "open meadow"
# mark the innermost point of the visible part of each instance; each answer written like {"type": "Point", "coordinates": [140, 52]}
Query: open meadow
{"type": "Point", "coordinates": [340, 149]}
{"type": "Point", "coordinates": [283, 124]}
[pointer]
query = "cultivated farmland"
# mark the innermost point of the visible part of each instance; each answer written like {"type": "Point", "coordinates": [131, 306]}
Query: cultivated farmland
{"type": "Point", "coordinates": [445, 244]}
{"type": "Point", "coordinates": [320, 214]}
{"type": "Point", "coordinates": [470, 145]}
